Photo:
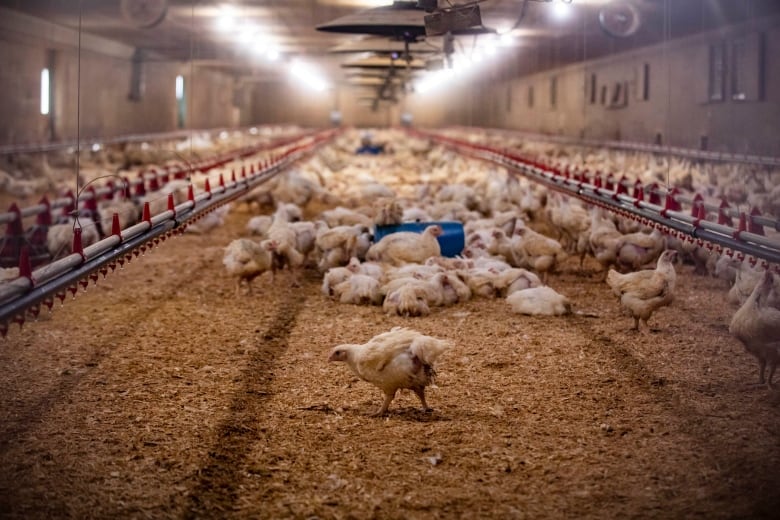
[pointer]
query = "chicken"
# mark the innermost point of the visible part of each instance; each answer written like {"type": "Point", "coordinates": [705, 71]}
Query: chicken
{"type": "Point", "coordinates": [605, 240]}
{"type": "Point", "coordinates": [283, 240]}
{"type": "Point", "coordinates": [539, 252]}
{"type": "Point", "coordinates": [639, 249]}
{"type": "Point", "coordinates": [757, 326]}
{"type": "Point", "coordinates": [127, 211]}
{"type": "Point", "coordinates": [336, 246]}
{"type": "Point", "coordinates": [389, 214]}
{"type": "Point", "coordinates": [537, 301]}
{"type": "Point", "coordinates": [8, 273]}
{"type": "Point", "coordinates": [59, 237]}
{"type": "Point", "coordinates": [333, 277]}
{"type": "Point", "coordinates": [259, 225]}
{"type": "Point", "coordinates": [407, 247]}
{"type": "Point", "coordinates": [246, 259]}
{"type": "Point", "coordinates": [642, 292]}
{"type": "Point", "coordinates": [359, 289]}
{"type": "Point", "coordinates": [209, 221]}
{"type": "Point", "coordinates": [398, 359]}
{"type": "Point", "coordinates": [410, 299]}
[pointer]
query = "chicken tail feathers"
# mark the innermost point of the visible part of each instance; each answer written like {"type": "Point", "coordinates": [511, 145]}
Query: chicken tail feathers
{"type": "Point", "coordinates": [613, 280]}
{"type": "Point", "coordinates": [428, 349]}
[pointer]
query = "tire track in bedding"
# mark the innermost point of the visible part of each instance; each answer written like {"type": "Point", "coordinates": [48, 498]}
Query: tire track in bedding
{"type": "Point", "coordinates": [217, 480]}
{"type": "Point", "coordinates": [741, 477]}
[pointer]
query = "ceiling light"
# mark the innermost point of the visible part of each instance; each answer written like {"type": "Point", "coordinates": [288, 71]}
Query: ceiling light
{"type": "Point", "coordinates": [561, 10]}
{"type": "Point", "coordinates": [272, 54]}
{"type": "Point", "coordinates": [247, 34]}
{"type": "Point", "coordinates": [226, 20]}
{"type": "Point", "coordinates": [507, 39]}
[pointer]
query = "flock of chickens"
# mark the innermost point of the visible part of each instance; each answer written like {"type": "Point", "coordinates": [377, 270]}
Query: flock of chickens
{"type": "Point", "coordinates": [323, 215]}
{"type": "Point", "coordinates": [516, 235]}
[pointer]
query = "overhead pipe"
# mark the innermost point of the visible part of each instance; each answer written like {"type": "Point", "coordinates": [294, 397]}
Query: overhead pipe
{"type": "Point", "coordinates": [670, 217]}
{"type": "Point", "coordinates": [28, 292]}
{"type": "Point", "coordinates": [153, 177]}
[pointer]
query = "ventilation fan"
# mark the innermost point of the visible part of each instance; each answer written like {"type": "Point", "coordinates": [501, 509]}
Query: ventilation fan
{"type": "Point", "coordinates": [144, 14]}
{"type": "Point", "coordinates": [619, 19]}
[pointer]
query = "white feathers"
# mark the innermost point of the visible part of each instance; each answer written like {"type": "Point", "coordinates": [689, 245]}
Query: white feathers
{"type": "Point", "coordinates": [539, 301]}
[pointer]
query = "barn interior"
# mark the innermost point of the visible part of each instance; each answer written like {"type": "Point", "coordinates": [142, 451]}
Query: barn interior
{"type": "Point", "coordinates": [207, 205]}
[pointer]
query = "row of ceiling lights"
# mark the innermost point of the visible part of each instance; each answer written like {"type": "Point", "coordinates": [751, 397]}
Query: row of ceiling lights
{"type": "Point", "coordinates": [250, 37]}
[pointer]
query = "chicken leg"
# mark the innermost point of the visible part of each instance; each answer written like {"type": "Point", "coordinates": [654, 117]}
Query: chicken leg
{"type": "Point", "coordinates": [420, 391]}
{"type": "Point", "coordinates": [383, 410]}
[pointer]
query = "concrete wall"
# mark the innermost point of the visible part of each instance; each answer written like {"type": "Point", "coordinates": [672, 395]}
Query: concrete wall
{"type": "Point", "coordinates": [104, 84]}
{"type": "Point", "coordinates": [287, 102]}
{"type": "Point", "coordinates": [20, 76]}
{"type": "Point", "coordinates": [677, 107]}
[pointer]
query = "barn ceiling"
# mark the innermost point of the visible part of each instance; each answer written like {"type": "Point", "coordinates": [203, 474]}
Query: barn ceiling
{"type": "Point", "coordinates": [253, 35]}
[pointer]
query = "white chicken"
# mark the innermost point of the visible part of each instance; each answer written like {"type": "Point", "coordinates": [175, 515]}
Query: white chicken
{"type": "Point", "coordinates": [407, 247]}
{"type": "Point", "coordinates": [59, 237]}
{"type": "Point", "coordinates": [642, 292]}
{"type": "Point", "coordinates": [639, 249]}
{"type": "Point", "coordinates": [359, 289]}
{"type": "Point", "coordinates": [399, 359]}
{"type": "Point", "coordinates": [604, 241]}
{"type": "Point", "coordinates": [539, 253]}
{"type": "Point", "coordinates": [536, 301]}
{"type": "Point", "coordinates": [246, 260]}
{"type": "Point", "coordinates": [757, 325]}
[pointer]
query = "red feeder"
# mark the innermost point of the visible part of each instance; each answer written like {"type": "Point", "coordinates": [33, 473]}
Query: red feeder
{"type": "Point", "coordinates": [724, 218]}
{"type": "Point", "coordinates": [147, 214]}
{"type": "Point", "coordinates": [25, 266]}
{"type": "Point", "coordinates": [154, 182]}
{"type": "Point", "coordinates": [701, 214]}
{"type": "Point", "coordinates": [742, 225]}
{"type": "Point", "coordinates": [111, 189]}
{"type": "Point", "coordinates": [78, 247]}
{"type": "Point", "coordinates": [609, 183]}
{"type": "Point", "coordinates": [171, 204]}
{"type": "Point", "coordinates": [116, 229]}
{"type": "Point", "coordinates": [696, 203]}
{"type": "Point", "coordinates": [753, 226]}
{"type": "Point", "coordinates": [140, 188]}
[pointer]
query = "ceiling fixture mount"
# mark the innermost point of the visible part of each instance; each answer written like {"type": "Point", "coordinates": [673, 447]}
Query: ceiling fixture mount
{"type": "Point", "coordinates": [453, 19]}
{"type": "Point", "coordinates": [144, 14]}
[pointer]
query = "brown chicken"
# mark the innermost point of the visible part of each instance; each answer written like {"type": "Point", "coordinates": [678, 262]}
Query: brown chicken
{"type": "Point", "coordinates": [642, 292]}
{"type": "Point", "coordinates": [757, 325]}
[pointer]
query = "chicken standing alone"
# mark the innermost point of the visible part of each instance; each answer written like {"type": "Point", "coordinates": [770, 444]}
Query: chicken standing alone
{"type": "Point", "coordinates": [247, 259]}
{"type": "Point", "coordinates": [757, 325]}
{"type": "Point", "coordinates": [401, 358]}
{"type": "Point", "coordinates": [642, 292]}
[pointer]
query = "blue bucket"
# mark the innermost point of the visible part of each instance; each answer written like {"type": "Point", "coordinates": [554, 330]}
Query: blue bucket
{"type": "Point", "coordinates": [451, 241]}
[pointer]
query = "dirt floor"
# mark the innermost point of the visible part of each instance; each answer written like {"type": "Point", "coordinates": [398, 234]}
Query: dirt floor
{"type": "Point", "coordinates": [159, 393]}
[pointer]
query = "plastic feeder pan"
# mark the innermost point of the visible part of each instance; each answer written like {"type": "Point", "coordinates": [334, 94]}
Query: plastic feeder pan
{"type": "Point", "coordinates": [451, 241]}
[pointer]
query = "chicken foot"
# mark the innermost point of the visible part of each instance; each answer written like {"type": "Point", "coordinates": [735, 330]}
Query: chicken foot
{"type": "Point", "coordinates": [383, 410]}
{"type": "Point", "coordinates": [420, 391]}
